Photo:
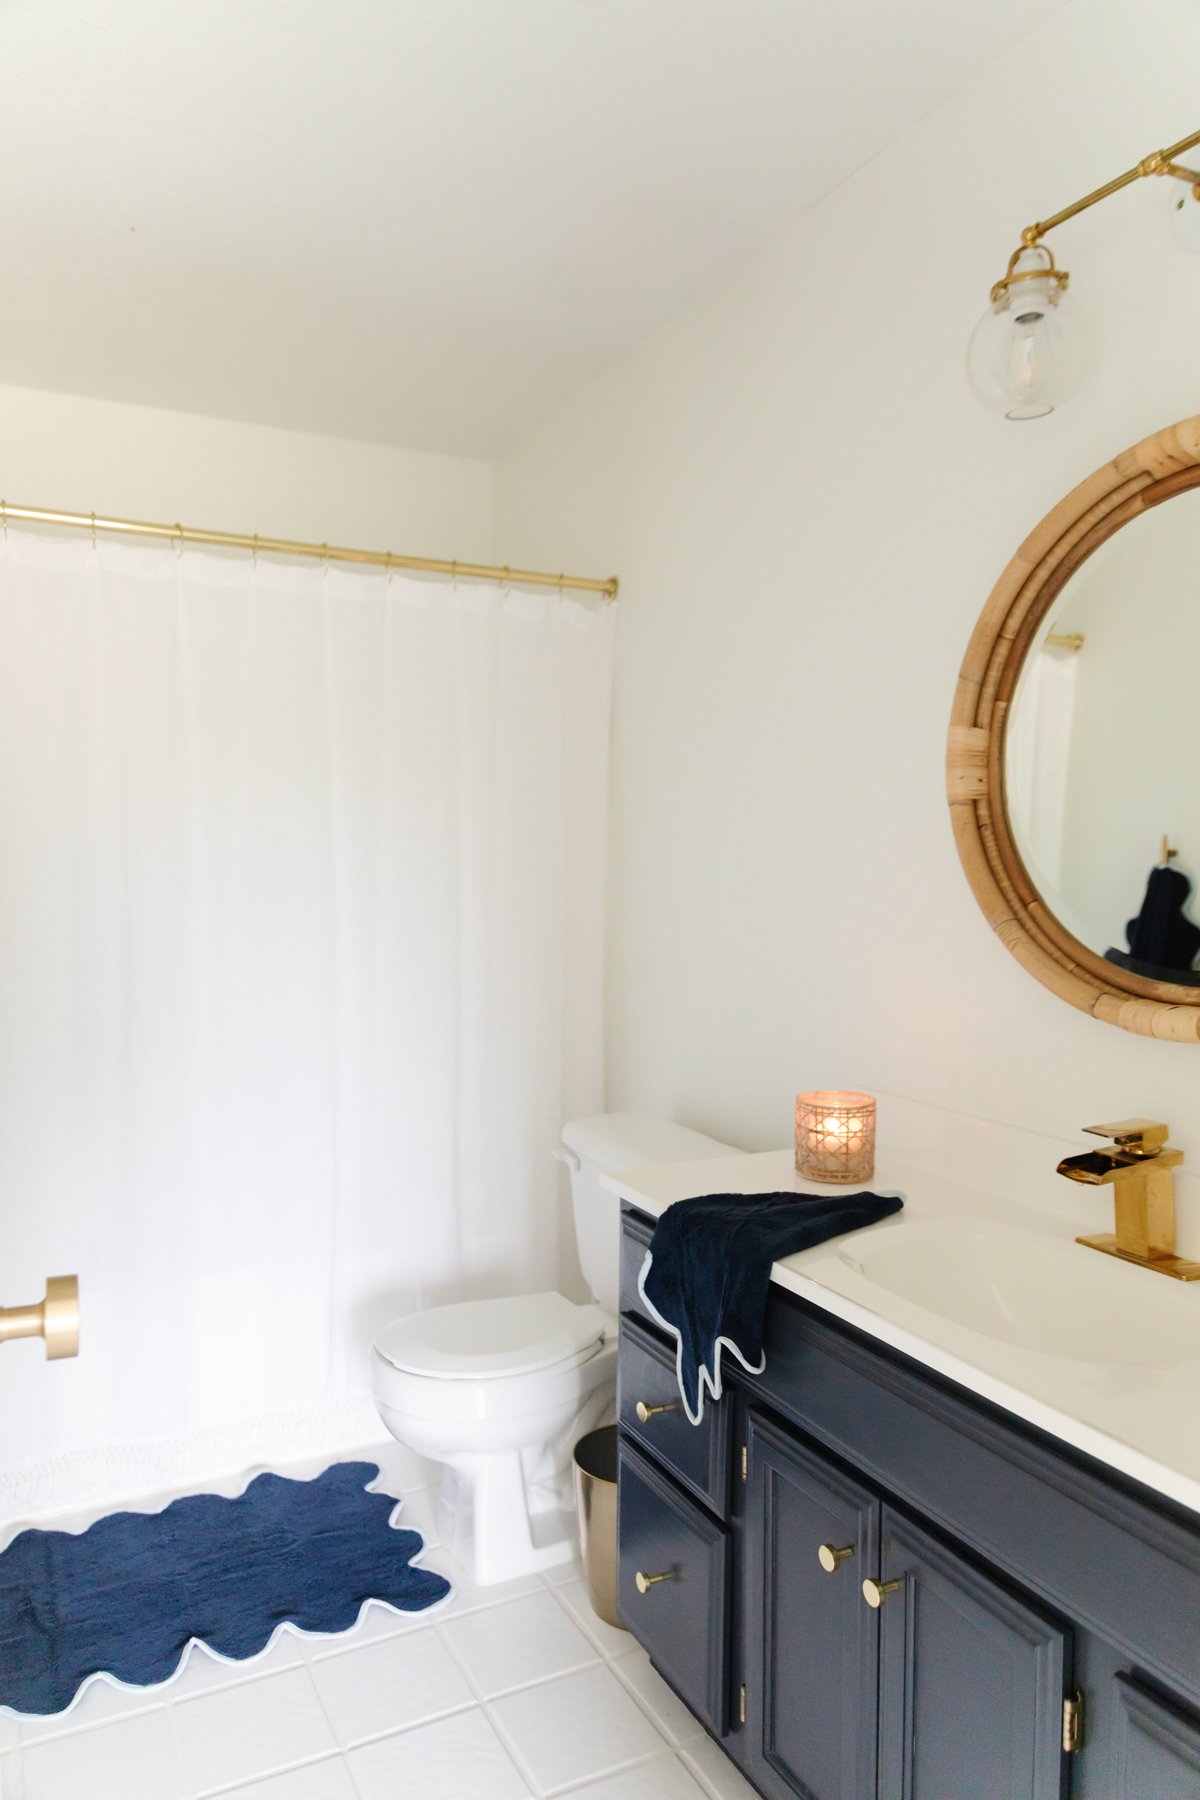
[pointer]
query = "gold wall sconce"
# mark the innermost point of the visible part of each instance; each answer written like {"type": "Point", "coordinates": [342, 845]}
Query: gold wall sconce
{"type": "Point", "coordinates": [56, 1318]}
{"type": "Point", "coordinates": [1026, 356]}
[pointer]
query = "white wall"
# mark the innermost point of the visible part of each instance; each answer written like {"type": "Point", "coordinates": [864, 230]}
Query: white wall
{"type": "Point", "coordinates": [77, 455]}
{"type": "Point", "coordinates": [807, 509]}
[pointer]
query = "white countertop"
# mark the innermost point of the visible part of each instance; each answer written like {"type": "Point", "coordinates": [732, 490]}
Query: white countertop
{"type": "Point", "coordinates": [1138, 1415]}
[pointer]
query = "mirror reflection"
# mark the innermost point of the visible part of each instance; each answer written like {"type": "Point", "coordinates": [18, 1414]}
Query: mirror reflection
{"type": "Point", "coordinates": [1102, 746]}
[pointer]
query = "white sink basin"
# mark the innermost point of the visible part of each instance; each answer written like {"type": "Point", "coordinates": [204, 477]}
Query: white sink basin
{"type": "Point", "coordinates": [1031, 1290]}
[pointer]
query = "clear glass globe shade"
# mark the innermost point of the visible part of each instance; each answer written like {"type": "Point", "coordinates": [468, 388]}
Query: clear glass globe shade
{"type": "Point", "coordinates": [1026, 355]}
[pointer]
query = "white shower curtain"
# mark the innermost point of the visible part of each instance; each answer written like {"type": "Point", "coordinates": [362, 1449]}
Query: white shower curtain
{"type": "Point", "coordinates": [301, 877]}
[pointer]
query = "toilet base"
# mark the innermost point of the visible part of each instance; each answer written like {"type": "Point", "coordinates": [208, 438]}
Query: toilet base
{"type": "Point", "coordinates": [488, 1521]}
{"type": "Point", "coordinates": [506, 1514]}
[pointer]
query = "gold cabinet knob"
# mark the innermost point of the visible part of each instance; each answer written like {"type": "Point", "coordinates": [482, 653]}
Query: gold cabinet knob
{"type": "Point", "coordinates": [829, 1556]}
{"type": "Point", "coordinates": [643, 1582]}
{"type": "Point", "coordinates": [645, 1412]}
{"type": "Point", "coordinates": [876, 1592]}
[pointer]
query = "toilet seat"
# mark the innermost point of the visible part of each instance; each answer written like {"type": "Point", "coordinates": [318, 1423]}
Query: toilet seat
{"type": "Point", "coordinates": [487, 1340]}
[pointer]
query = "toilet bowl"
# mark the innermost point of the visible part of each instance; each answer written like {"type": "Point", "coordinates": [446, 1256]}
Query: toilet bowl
{"type": "Point", "coordinates": [500, 1391]}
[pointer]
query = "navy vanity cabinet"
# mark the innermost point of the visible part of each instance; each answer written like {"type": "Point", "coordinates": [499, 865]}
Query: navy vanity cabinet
{"type": "Point", "coordinates": [972, 1678]}
{"type": "Point", "coordinates": [673, 1584]}
{"type": "Point", "coordinates": [811, 1641]}
{"type": "Point", "coordinates": [1026, 1572]}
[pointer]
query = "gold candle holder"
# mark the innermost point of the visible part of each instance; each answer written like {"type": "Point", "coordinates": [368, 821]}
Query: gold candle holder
{"type": "Point", "coordinates": [835, 1136]}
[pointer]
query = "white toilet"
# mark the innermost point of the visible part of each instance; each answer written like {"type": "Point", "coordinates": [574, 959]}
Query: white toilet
{"type": "Point", "coordinates": [500, 1391]}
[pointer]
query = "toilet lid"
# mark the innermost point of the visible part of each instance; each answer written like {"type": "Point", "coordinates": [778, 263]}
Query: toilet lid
{"type": "Point", "coordinates": [480, 1338]}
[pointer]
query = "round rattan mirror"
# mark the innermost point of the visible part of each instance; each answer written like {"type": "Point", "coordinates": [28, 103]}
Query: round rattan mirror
{"type": "Point", "coordinates": [1070, 797]}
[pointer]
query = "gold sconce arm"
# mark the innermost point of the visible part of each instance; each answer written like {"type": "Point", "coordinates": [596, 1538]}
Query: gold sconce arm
{"type": "Point", "coordinates": [56, 1318]}
{"type": "Point", "coordinates": [1159, 162]}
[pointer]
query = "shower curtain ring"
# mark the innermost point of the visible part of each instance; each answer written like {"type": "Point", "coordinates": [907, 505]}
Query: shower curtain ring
{"type": "Point", "coordinates": [4, 518]}
{"type": "Point", "coordinates": [506, 584]}
{"type": "Point", "coordinates": [454, 575]}
{"type": "Point", "coordinates": [178, 536]}
{"type": "Point", "coordinates": [93, 531]}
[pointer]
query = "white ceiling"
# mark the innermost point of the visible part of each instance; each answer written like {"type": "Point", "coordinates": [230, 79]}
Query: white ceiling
{"type": "Point", "coordinates": [423, 222]}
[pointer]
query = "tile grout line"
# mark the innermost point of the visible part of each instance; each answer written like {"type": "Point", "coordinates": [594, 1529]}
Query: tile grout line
{"type": "Point", "coordinates": [610, 1656]}
{"type": "Point", "coordinates": [701, 1779]}
{"type": "Point", "coordinates": [334, 1733]}
{"type": "Point", "coordinates": [517, 1761]}
{"type": "Point", "coordinates": [180, 1755]}
{"type": "Point", "coordinates": [611, 1660]}
{"type": "Point", "coordinates": [283, 1768]}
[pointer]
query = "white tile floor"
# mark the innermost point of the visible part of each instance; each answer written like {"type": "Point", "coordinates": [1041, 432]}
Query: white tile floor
{"type": "Point", "coordinates": [507, 1693]}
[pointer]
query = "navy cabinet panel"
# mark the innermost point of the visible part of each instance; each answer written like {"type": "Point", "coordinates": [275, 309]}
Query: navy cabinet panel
{"type": "Point", "coordinates": [636, 1232]}
{"type": "Point", "coordinates": [812, 1651]}
{"type": "Point", "coordinates": [697, 1454]}
{"type": "Point", "coordinates": [1125, 1566]}
{"type": "Point", "coordinates": [1157, 1748]}
{"type": "Point", "coordinates": [682, 1621]}
{"type": "Point", "coordinates": [972, 1679]}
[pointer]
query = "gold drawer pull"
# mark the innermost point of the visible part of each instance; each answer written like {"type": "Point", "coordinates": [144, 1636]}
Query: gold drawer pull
{"type": "Point", "coordinates": [643, 1582]}
{"type": "Point", "coordinates": [876, 1592]}
{"type": "Point", "coordinates": [646, 1412]}
{"type": "Point", "coordinates": [829, 1556]}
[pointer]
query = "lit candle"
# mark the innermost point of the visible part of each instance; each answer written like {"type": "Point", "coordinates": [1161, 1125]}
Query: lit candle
{"type": "Point", "coordinates": [835, 1136]}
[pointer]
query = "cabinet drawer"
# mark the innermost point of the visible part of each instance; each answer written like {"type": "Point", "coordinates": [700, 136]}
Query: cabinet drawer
{"type": "Point", "coordinates": [679, 1610]}
{"type": "Point", "coordinates": [697, 1454]}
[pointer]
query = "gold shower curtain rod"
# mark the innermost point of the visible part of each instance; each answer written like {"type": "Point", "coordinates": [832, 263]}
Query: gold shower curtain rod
{"type": "Point", "coordinates": [239, 540]}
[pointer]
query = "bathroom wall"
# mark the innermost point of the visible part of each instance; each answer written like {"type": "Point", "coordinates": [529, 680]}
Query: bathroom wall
{"type": "Point", "coordinates": [807, 509]}
{"type": "Point", "coordinates": [80, 455]}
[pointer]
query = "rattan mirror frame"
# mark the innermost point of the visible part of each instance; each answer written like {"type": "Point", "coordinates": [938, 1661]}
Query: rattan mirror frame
{"type": "Point", "coordinates": [1151, 472]}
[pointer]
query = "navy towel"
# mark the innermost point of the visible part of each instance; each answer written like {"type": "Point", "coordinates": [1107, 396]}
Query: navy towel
{"type": "Point", "coordinates": [708, 1270]}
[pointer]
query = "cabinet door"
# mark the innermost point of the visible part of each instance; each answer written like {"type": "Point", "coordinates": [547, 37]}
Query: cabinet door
{"type": "Point", "coordinates": [972, 1679]}
{"type": "Point", "coordinates": [811, 1656]}
{"type": "Point", "coordinates": [1157, 1748]}
{"type": "Point", "coordinates": [673, 1584]}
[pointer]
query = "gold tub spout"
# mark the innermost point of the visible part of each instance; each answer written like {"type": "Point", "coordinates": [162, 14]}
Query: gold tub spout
{"type": "Point", "coordinates": [56, 1318]}
{"type": "Point", "coordinates": [1137, 1165]}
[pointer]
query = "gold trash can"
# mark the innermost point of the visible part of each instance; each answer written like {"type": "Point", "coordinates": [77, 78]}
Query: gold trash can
{"type": "Point", "coordinates": [596, 1504]}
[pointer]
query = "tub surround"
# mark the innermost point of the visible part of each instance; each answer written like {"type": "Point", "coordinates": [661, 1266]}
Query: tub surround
{"type": "Point", "coordinates": [1101, 1355]}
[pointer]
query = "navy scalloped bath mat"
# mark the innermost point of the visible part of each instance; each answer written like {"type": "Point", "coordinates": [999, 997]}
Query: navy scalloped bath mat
{"type": "Point", "coordinates": [126, 1597]}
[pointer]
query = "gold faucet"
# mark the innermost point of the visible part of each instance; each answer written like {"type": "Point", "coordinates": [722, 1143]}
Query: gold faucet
{"type": "Point", "coordinates": [56, 1318]}
{"type": "Point", "coordinates": [1137, 1165]}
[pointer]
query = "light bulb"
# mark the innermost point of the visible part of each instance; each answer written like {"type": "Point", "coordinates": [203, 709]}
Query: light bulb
{"type": "Point", "coordinates": [1025, 356]}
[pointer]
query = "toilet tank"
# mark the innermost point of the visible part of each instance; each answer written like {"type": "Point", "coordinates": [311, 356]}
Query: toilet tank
{"type": "Point", "coordinates": [623, 1140]}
